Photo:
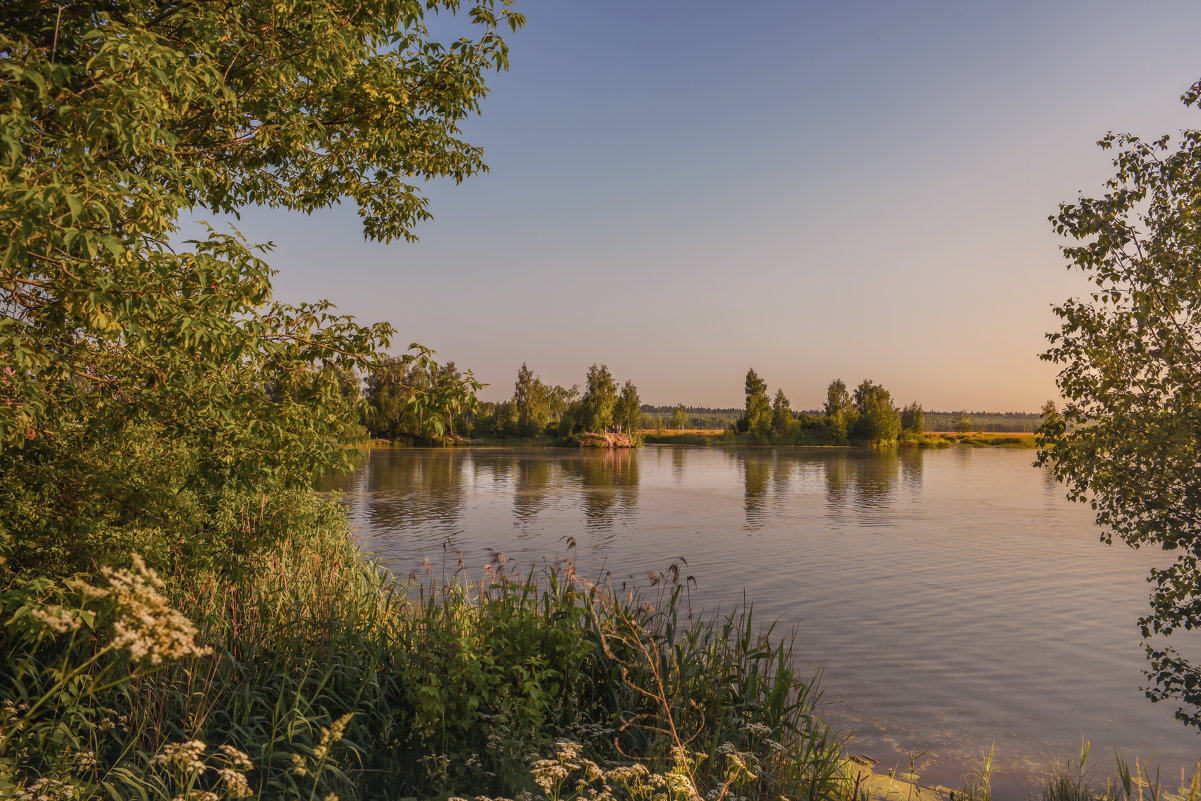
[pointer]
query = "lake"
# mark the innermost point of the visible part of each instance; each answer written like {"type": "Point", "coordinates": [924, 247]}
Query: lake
{"type": "Point", "coordinates": [952, 600]}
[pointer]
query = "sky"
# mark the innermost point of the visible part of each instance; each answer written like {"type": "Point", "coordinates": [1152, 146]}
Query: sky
{"type": "Point", "coordinates": [682, 189]}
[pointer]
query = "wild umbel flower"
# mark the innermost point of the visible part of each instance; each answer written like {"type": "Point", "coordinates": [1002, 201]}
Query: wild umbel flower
{"type": "Point", "coordinates": [147, 626]}
{"type": "Point", "coordinates": [46, 789]}
{"type": "Point", "coordinates": [237, 759]}
{"type": "Point", "coordinates": [188, 756]}
{"type": "Point", "coordinates": [57, 618]}
{"type": "Point", "coordinates": [548, 773]}
{"type": "Point", "coordinates": [236, 782]}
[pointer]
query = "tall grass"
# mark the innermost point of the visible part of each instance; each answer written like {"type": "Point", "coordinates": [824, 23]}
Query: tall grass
{"type": "Point", "coordinates": [309, 672]}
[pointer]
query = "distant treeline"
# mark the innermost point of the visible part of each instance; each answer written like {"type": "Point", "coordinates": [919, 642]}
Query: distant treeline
{"type": "Point", "coordinates": [1009, 422]}
{"type": "Point", "coordinates": [705, 417]}
{"type": "Point", "coordinates": [694, 417]}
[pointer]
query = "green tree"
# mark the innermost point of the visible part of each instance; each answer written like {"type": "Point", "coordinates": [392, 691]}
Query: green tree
{"type": "Point", "coordinates": [532, 400]}
{"type": "Point", "coordinates": [414, 396]}
{"type": "Point", "coordinates": [1129, 355]}
{"type": "Point", "coordinates": [961, 422]}
{"type": "Point", "coordinates": [781, 414]}
{"type": "Point", "coordinates": [758, 407]}
{"type": "Point", "coordinates": [151, 385]}
{"type": "Point", "coordinates": [913, 418]}
{"type": "Point", "coordinates": [878, 421]}
{"type": "Point", "coordinates": [561, 399]}
{"type": "Point", "coordinates": [839, 410]}
{"type": "Point", "coordinates": [600, 396]}
{"type": "Point", "coordinates": [628, 411]}
{"type": "Point", "coordinates": [679, 417]}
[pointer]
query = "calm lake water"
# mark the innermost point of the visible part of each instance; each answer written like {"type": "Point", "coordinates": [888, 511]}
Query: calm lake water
{"type": "Point", "coordinates": [952, 599]}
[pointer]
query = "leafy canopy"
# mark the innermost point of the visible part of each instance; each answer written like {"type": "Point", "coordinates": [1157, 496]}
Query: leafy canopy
{"type": "Point", "coordinates": [144, 378]}
{"type": "Point", "coordinates": [1128, 438]}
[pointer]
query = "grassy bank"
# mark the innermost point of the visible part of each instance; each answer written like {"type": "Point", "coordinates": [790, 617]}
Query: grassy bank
{"type": "Point", "coordinates": [980, 439]}
{"type": "Point", "coordinates": [304, 671]}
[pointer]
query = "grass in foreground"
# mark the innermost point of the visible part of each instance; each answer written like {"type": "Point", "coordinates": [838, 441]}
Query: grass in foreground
{"type": "Point", "coordinates": [304, 672]}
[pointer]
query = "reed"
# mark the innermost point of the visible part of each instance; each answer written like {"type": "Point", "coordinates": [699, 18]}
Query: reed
{"type": "Point", "coordinates": [308, 672]}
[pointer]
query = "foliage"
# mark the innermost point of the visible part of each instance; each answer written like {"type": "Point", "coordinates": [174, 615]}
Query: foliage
{"type": "Point", "coordinates": [878, 421]}
{"type": "Point", "coordinates": [531, 400]}
{"type": "Point", "coordinates": [308, 673]}
{"type": "Point", "coordinates": [913, 418]}
{"type": "Point", "coordinates": [150, 386]}
{"type": "Point", "coordinates": [413, 396]}
{"type": "Point", "coordinates": [600, 398]}
{"type": "Point", "coordinates": [839, 410]}
{"type": "Point", "coordinates": [1127, 439]}
{"type": "Point", "coordinates": [627, 412]}
{"type": "Point", "coordinates": [781, 415]}
{"type": "Point", "coordinates": [961, 422]}
{"type": "Point", "coordinates": [679, 417]}
{"type": "Point", "coordinates": [757, 415]}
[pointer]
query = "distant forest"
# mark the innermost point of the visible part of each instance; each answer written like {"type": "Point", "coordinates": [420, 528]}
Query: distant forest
{"type": "Point", "coordinates": [705, 417]}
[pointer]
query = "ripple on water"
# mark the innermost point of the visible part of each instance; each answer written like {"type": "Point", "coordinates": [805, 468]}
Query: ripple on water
{"type": "Point", "coordinates": [952, 599]}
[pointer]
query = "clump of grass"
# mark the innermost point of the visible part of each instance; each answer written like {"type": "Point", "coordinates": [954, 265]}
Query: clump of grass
{"type": "Point", "coordinates": [1137, 784]}
{"type": "Point", "coordinates": [311, 673]}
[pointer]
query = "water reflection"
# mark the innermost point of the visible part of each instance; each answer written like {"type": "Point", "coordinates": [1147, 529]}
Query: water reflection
{"type": "Point", "coordinates": [533, 482]}
{"type": "Point", "coordinates": [609, 480]}
{"type": "Point", "coordinates": [409, 492]}
{"type": "Point", "coordinates": [756, 471]}
{"type": "Point", "coordinates": [950, 597]}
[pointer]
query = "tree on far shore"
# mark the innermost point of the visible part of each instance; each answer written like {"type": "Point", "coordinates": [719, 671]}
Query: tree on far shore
{"type": "Point", "coordinates": [781, 414]}
{"type": "Point", "coordinates": [628, 411]}
{"type": "Point", "coordinates": [758, 407]}
{"type": "Point", "coordinates": [878, 421]}
{"type": "Point", "coordinates": [913, 418]}
{"type": "Point", "coordinates": [600, 397]}
{"type": "Point", "coordinates": [679, 417]}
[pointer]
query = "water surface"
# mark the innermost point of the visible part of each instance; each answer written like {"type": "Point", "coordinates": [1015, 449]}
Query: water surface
{"type": "Point", "coordinates": [952, 599]}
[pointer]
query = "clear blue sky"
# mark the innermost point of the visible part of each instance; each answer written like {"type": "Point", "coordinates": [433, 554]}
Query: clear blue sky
{"type": "Point", "coordinates": [683, 189]}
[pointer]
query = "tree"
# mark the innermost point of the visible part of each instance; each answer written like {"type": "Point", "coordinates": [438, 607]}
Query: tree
{"type": "Point", "coordinates": [878, 421]}
{"type": "Point", "coordinates": [628, 411]}
{"type": "Point", "coordinates": [532, 399]}
{"type": "Point", "coordinates": [600, 397]}
{"type": "Point", "coordinates": [561, 400]}
{"type": "Point", "coordinates": [758, 407]}
{"type": "Point", "coordinates": [1129, 355]}
{"type": "Point", "coordinates": [151, 385]}
{"type": "Point", "coordinates": [839, 410]}
{"type": "Point", "coordinates": [781, 414]}
{"type": "Point", "coordinates": [961, 422]}
{"type": "Point", "coordinates": [913, 418]}
{"type": "Point", "coordinates": [679, 417]}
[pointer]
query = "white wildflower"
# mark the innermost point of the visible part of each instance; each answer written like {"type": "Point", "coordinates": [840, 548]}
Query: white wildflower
{"type": "Point", "coordinates": [237, 759]}
{"type": "Point", "coordinates": [236, 781]}
{"type": "Point", "coordinates": [188, 756]}
{"type": "Point", "coordinates": [57, 618]}
{"type": "Point", "coordinates": [147, 627]}
{"type": "Point", "coordinates": [567, 750]}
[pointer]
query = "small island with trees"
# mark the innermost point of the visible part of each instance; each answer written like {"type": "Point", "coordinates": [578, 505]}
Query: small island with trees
{"type": "Point", "coordinates": [413, 400]}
